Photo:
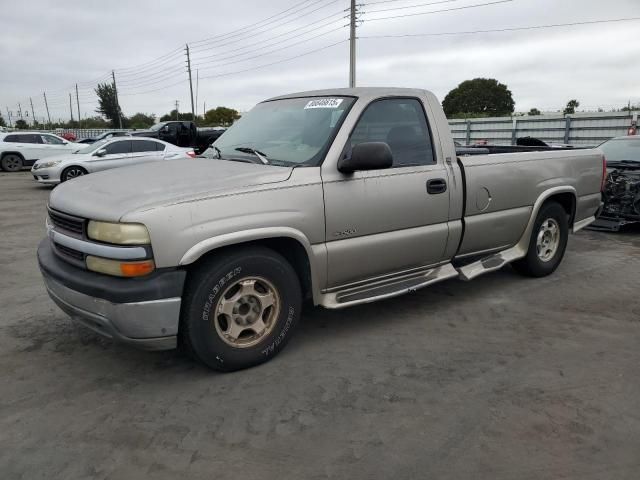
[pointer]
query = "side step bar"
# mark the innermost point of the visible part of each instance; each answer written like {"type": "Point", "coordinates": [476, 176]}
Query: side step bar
{"type": "Point", "coordinates": [489, 264]}
{"type": "Point", "coordinates": [388, 289]}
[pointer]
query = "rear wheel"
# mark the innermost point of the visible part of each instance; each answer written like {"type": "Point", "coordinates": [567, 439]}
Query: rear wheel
{"type": "Point", "coordinates": [72, 172]}
{"type": "Point", "coordinates": [548, 242]}
{"type": "Point", "coordinates": [240, 309]}
{"type": "Point", "coordinates": [12, 162]}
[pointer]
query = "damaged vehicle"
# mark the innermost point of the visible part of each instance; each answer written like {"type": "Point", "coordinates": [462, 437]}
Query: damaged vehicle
{"type": "Point", "coordinates": [621, 193]}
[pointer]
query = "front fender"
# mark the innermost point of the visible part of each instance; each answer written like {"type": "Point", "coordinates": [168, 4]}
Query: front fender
{"type": "Point", "coordinates": [256, 234]}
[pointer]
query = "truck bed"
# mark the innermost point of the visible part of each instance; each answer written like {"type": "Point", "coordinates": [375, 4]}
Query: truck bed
{"type": "Point", "coordinates": [500, 191]}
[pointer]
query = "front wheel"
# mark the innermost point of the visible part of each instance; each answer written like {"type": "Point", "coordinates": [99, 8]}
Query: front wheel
{"type": "Point", "coordinates": [72, 172]}
{"type": "Point", "coordinates": [240, 309]}
{"type": "Point", "coordinates": [548, 242]}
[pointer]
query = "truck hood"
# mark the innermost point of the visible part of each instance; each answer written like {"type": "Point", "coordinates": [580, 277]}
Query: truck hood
{"type": "Point", "coordinates": [111, 194]}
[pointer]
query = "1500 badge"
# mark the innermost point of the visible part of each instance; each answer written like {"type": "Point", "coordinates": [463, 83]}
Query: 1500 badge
{"type": "Point", "coordinates": [345, 233]}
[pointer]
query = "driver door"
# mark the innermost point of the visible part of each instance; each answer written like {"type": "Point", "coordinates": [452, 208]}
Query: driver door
{"type": "Point", "coordinates": [383, 222]}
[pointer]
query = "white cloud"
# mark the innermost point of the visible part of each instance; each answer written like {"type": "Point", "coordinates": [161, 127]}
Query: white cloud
{"type": "Point", "coordinates": [50, 47]}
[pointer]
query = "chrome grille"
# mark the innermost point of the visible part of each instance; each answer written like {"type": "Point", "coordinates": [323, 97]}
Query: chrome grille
{"type": "Point", "coordinates": [67, 222]}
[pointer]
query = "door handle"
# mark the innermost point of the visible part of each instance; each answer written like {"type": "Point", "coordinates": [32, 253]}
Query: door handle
{"type": "Point", "coordinates": [437, 185]}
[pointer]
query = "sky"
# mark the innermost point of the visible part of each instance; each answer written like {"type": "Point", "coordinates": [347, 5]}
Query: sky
{"type": "Point", "coordinates": [245, 51]}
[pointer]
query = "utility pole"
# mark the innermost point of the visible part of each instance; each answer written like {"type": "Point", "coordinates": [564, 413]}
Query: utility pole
{"type": "Point", "coordinates": [352, 46]}
{"type": "Point", "coordinates": [46, 106]}
{"type": "Point", "coordinates": [193, 110]}
{"type": "Point", "coordinates": [78, 103]}
{"type": "Point", "coordinates": [177, 109]}
{"type": "Point", "coordinates": [115, 89]}
{"type": "Point", "coordinates": [197, 89]}
{"type": "Point", "coordinates": [20, 111]}
{"type": "Point", "coordinates": [70, 107]}
{"type": "Point", "coordinates": [9, 115]}
{"type": "Point", "coordinates": [33, 115]}
{"type": "Point", "coordinates": [204, 108]}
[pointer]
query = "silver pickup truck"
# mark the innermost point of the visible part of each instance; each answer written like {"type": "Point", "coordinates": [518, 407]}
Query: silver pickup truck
{"type": "Point", "coordinates": [339, 196]}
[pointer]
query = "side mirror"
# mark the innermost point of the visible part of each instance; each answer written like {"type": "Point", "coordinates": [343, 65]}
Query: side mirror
{"type": "Point", "coordinates": [101, 153]}
{"type": "Point", "coordinates": [367, 156]}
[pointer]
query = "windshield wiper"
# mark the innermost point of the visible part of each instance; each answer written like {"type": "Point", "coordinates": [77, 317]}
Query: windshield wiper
{"type": "Point", "coordinates": [217, 151]}
{"type": "Point", "coordinates": [253, 151]}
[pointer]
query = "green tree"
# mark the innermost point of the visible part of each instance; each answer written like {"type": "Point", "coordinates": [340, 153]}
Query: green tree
{"type": "Point", "coordinates": [21, 125]}
{"type": "Point", "coordinates": [571, 107]}
{"type": "Point", "coordinates": [630, 108]}
{"type": "Point", "coordinates": [141, 120]}
{"type": "Point", "coordinates": [533, 112]}
{"type": "Point", "coordinates": [2, 124]}
{"type": "Point", "coordinates": [221, 116]}
{"type": "Point", "coordinates": [109, 107]}
{"type": "Point", "coordinates": [173, 115]}
{"type": "Point", "coordinates": [484, 97]}
{"type": "Point", "coordinates": [95, 122]}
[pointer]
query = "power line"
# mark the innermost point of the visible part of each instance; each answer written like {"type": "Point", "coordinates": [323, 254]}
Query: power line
{"type": "Point", "coordinates": [497, 30]}
{"type": "Point", "coordinates": [257, 34]}
{"type": "Point", "coordinates": [271, 51]}
{"type": "Point", "coordinates": [276, 62]}
{"type": "Point", "coordinates": [440, 11]}
{"type": "Point", "coordinates": [303, 27]}
{"type": "Point", "coordinates": [408, 6]}
{"type": "Point", "coordinates": [123, 69]}
{"type": "Point", "coordinates": [244, 29]}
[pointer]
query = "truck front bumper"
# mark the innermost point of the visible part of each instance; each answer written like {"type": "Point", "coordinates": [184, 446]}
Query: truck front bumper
{"type": "Point", "coordinates": [144, 312]}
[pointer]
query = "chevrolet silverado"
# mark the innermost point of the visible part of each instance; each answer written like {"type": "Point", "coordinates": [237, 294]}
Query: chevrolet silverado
{"type": "Point", "coordinates": [339, 197]}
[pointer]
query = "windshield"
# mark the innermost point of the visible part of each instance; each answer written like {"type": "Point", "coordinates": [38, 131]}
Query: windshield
{"type": "Point", "coordinates": [93, 147]}
{"type": "Point", "coordinates": [620, 149]}
{"type": "Point", "coordinates": [158, 126]}
{"type": "Point", "coordinates": [293, 131]}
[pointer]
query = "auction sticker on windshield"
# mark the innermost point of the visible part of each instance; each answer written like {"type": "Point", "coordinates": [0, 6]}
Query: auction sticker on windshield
{"type": "Point", "coordinates": [324, 103]}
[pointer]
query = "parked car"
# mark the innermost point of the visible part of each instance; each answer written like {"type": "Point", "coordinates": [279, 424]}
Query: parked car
{"type": "Point", "coordinates": [104, 155]}
{"type": "Point", "coordinates": [105, 135]}
{"type": "Point", "coordinates": [183, 134]}
{"type": "Point", "coordinates": [621, 193]}
{"type": "Point", "coordinates": [341, 196]}
{"type": "Point", "coordinates": [69, 136]}
{"type": "Point", "coordinates": [22, 149]}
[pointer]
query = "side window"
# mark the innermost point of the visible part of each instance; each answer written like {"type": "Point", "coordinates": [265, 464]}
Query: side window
{"type": "Point", "coordinates": [121, 147]}
{"type": "Point", "coordinates": [401, 123]}
{"type": "Point", "coordinates": [31, 138]}
{"type": "Point", "coordinates": [12, 138]}
{"type": "Point", "coordinates": [159, 146]}
{"type": "Point", "coordinates": [51, 140]}
{"type": "Point", "coordinates": [144, 146]}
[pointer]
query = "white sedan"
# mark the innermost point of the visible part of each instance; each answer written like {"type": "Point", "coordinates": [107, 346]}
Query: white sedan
{"type": "Point", "coordinates": [22, 149]}
{"type": "Point", "coordinates": [104, 155]}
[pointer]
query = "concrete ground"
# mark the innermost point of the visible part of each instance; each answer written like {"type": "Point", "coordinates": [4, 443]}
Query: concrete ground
{"type": "Point", "coordinates": [504, 377]}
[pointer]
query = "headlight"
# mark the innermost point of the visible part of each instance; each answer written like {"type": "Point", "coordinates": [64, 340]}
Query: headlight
{"type": "Point", "coordinates": [47, 164]}
{"type": "Point", "coordinates": [120, 268]}
{"type": "Point", "coordinates": [119, 233]}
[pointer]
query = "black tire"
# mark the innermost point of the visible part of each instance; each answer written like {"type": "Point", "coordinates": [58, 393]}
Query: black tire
{"type": "Point", "coordinates": [200, 335]}
{"type": "Point", "coordinates": [12, 162]}
{"type": "Point", "coordinates": [532, 265]}
{"type": "Point", "coordinates": [71, 173]}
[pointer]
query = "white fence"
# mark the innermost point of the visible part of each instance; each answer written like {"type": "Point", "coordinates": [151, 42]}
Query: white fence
{"type": "Point", "coordinates": [576, 129]}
